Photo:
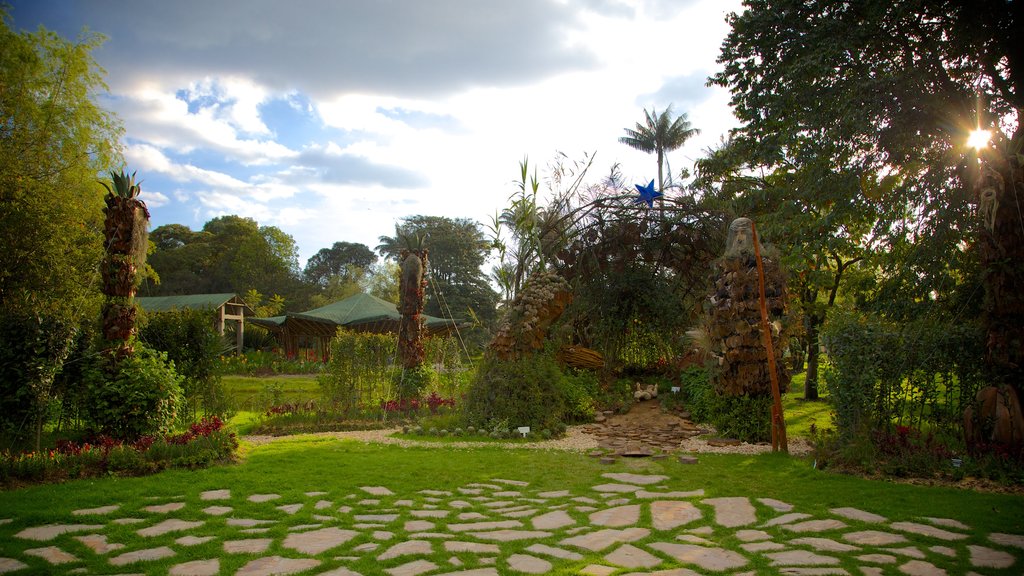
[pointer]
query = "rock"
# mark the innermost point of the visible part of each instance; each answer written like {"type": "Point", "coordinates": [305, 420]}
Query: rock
{"type": "Point", "coordinates": [687, 459]}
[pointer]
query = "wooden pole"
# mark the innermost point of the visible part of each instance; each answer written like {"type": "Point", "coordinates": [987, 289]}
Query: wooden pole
{"type": "Point", "coordinates": [779, 441]}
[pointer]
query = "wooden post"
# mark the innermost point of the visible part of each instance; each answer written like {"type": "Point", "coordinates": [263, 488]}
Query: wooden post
{"type": "Point", "coordinates": [240, 334]}
{"type": "Point", "coordinates": [779, 441]}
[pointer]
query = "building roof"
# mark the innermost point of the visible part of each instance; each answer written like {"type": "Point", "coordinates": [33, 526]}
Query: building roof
{"type": "Point", "coordinates": [187, 301]}
{"type": "Point", "coordinates": [360, 311]}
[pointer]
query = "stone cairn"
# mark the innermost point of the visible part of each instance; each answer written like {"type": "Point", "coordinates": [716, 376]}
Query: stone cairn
{"type": "Point", "coordinates": [734, 324]}
{"type": "Point", "coordinates": [535, 308]}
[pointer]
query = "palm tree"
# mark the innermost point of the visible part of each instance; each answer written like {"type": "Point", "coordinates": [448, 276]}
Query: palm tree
{"type": "Point", "coordinates": [125, 232]}
{"type": "Point", "coordinates": [660, 134]}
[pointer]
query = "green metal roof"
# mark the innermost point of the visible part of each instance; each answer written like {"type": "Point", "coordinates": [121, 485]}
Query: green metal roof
{"type": "Point", "coordinates": [185, 301]}
{"type": "Point", "coordinates": [357, 310]}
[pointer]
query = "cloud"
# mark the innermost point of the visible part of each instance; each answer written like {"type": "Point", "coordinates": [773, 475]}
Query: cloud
{"type": "Point", "coordinates": [683, 92]}
{"type": "Point", "coordinates": [332, 165]}
{"type": "Point", "coordinates": [154, 199]}
{"type": "Point", "coordinates": [325, 47]}
{"type": "Point", "coordinates": [163, 119]}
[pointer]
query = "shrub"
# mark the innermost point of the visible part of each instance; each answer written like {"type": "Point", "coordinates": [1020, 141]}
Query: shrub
{"type": "Point", "coordinates": [524, 392]}
{"type": "Point", "coordinates": [361, 363]}
{"type": "Point", "coordinates": [138, 396]}
{"type": "Point", "coordinates": [918, 374]}
{"type": "Point", "coordinates": [34, 347]}
{"type": "Point", "coordinates": [697, 392]}
{"type": "Point", "coordinates": [191, 342]}
{"type": "Point", "coordinates": [746, 418]}
{"type": "Point", "coordinates": [411, 383]}
{"type": "Point", "coordinates": [579, 388]}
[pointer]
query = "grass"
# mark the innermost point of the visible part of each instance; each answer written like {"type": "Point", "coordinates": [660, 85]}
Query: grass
{"type": "Point", "coordinates": [297, 465]}
{"type": "Point", "coordinates": [257, 393]}
{"type": "Point", "coordinates": [802, 414]}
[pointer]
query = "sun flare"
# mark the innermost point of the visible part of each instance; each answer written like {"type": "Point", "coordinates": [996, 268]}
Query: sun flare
{"type": "Point", "coordinates": [979, 139]}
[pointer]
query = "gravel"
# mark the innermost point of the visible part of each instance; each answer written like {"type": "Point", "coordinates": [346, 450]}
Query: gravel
{"type": "Point", "coordinates": [575, 440]}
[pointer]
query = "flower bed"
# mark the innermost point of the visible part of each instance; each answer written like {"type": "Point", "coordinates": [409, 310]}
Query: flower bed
{"type": "Point", "coordinates": [202, 444]}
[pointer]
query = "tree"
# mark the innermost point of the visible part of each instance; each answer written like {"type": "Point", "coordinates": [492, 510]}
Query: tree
{"type": "Point", "coordinates": [659, 134]}
{"type": "Point", "coordinates": [336, 261]}
{"type": "Point", "coordinates": [816, 216]}
{"type": "Point", "coordinates": [54, 142]}
{"type": "Point", "coordinates": [230, 254]}
{"type": "Point", "coordinates": [457, 288]}
{"type": "Point", "coordinates": [125, 236]}
{"type": "Point", "coordinates": [905, 83]}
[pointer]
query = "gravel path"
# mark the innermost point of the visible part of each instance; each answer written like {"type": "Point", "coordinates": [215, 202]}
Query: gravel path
{"type": "Point", "coordinates": [575, 439]}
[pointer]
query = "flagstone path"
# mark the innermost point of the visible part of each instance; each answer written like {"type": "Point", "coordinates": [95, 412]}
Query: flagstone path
{"type": "Point", "coordinates": [628, 524]}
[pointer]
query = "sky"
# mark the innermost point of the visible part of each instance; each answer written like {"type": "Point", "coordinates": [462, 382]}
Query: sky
{"type": "Point", "coordinates": [334, 119]}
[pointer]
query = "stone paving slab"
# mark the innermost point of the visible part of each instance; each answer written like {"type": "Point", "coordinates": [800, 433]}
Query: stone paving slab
{"type": "Point", "coordinates": [504, 526]}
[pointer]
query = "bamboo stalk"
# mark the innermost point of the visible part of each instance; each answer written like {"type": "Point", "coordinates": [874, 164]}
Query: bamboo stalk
{"type": "Point", "coordinates": [778, 422]}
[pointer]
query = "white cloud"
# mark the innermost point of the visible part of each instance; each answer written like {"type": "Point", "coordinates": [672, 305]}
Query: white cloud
{"type": "Point", "coordinates": [154, 199]}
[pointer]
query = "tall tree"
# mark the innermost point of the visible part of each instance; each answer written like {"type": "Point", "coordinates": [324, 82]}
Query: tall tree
{"type": "Point", "coordinates": [230, 254]}
{"type": "Point", "coordinates": [881, 96]}
{"type": "Point", "coordinates": [54, 143]}
{"type": "Point", "coordinates": [336, 261]}
{"type": "Point", "coordinates": [125, 234]}
{"type": "Point", "coordinates": [659, 134]}
{"type": "Point", "coordinates": [457, 288]}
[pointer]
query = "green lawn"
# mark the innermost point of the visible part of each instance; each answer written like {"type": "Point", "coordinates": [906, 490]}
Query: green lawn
{"type": "Point", "coordinates": [298, 465]}
{"type": "Point", "coordinates": [257, 393]}
{"type": "Point", "coordinates": [801, 414]}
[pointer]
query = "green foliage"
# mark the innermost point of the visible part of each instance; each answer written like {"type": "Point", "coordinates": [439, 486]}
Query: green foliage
{"type": "Point", "coordinates": [580, 388]}
{"type": "Point", "coordinates": [524, 392]}
{"type": "Point", "coordinates": [204, 443]}
{"type": "Point", "coordinates": [456, 286]}
{"type": "Point", "coordinates": [697, 391]}
{"type": "Point", "coordinates": [33, 350]}
{"type": "Point", "coordinates": [412, 382]}
{"type": "Point", "coordinates": [746, 418]}
{"type": "Point", "coordinates": [138, 395]}
{"type": "Point", "coordinates": [270, 362]}
{"type": "Point", "coordinates": [122, 185]}
{"type": "Point", "coordinates": [190, 341]}
{"type": "Point", "coordinates": [53, 143]}
{"type": "Point", "coordinates": [341, 260]}
{"type": "Point", "coordinates": [660, 133]}
{"type": "Point", "coordinates": [918, 374]}
{"type": "Point", "coordinates": [230, 254]}
{"type": "Point", "coordinates": [361, 365]}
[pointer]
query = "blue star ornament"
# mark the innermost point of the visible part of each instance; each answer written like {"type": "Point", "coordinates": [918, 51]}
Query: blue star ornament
{"type": "Point", "coordinates": [647, 194]}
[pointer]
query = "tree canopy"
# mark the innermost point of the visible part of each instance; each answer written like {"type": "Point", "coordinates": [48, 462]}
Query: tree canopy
{"type": "Point", "coordinates": [54, 143]}
{"type": "Point", "coordinates": [229, 254]}
{"type": "Point", "coordinates": [658, 135]}
{"type": "Point", "coordinates": [852, 145]}
{"type": "Point", "coordinates": [457, 286]}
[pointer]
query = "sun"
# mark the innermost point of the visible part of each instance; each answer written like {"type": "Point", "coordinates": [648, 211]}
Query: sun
{"type": "Point", "coordinates": [978, 139]}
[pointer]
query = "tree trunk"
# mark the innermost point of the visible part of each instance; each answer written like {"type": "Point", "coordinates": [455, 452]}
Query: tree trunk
{"type": "Point", "coordinates": [1000, 193]}
{"type": "Point", "coordinates": [410, 290]}
{"type": "Point", "coordinates": [813, 353]}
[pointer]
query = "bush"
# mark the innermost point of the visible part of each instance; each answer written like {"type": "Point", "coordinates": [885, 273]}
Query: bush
{"type": "Point", "coordinates": [746, 418]}
{"type": "Point", "coordinates": [920, 374]}
{"type": "Point", "coordinates": [191, 342]}
{"type": "Point", "coordinates": [579, 388]}
{"type": "Point", "coordinates": [136, 396]}
{"type": "Point", "coordinates": [524, 392]}
{"type": "Point", "coordinates": [361, 363]}
{"type": "Point", "coordinates": [33, 348]}
{"type": "Point", "coordinates": [411, 383]}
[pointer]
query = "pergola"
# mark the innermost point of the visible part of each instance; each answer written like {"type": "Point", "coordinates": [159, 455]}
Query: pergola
{"type": "Point", "coordinates": [360, 312]}
{"type": "Point", "coordinates": [227, 307]}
